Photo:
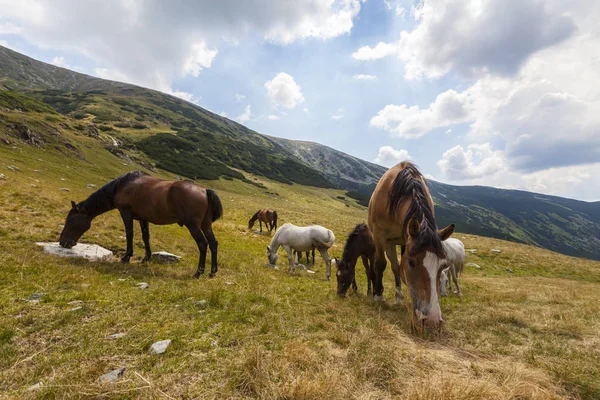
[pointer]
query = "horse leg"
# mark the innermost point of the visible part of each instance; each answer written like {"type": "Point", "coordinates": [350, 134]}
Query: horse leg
{"type": "Point", "coordinates": [290, 252]}
{"type": "Point", "coordinates": [369, 273]}
{"type": "Point", "coordinates": [127, 217]}
{"type": "Point", "coordinates": [213, 244]}
{"type": "Point", "coordinates": [145, 226]}
{"type": "Point", "coordinates": [202, 244]}
{"type": "Point", "coordinates": [378, 272]}
{"type": "Point", "coordinates": [455, 279]}
{"type": "Point", "coordinates": [260, 224]}
{"type": "Point", "coordinates": [313, 257]}
{"type": "Point", "coordinates": [327, 259]}
{"type": "Point", "coordinates": [393, 256]}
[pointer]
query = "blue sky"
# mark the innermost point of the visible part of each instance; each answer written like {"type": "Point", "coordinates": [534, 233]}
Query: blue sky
{"type": "Point", "coordinates": [491, 92]}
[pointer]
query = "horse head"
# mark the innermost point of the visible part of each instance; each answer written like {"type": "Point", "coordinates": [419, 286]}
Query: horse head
{"type": "Point", "coordinates": [272, 256]}
{"type": "Point", "coordinates": [345, 276]}
{"type": "Point", "coordinates": [78, 222]}
{"type": "Point", "coordinates": [423, 260]}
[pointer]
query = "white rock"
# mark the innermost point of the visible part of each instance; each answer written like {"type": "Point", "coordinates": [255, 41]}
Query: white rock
{"type": "Point", "coordinates": [64, 190]}
{"type": "Point", "coordinates": [472, 250]}
{"type": "Point", "coordinates": [37, 386]}
{"type": "Point", "coordinates": [91, 252]}
{"type": "Point", "coordinates": [160, 347]}
{"type": "Point", "coordinates": [310, 271]}
{"type": "Point", "coordinates": [142, 285]}
{"type": "Point", "coordinates": [115, 336]}
{"type": "Point", "coordinates": [496, 251]}
{"type": "Point", "coordinates": [165, 257]}
{"type": "Point", "coordinates": [76, 309]}
{"type": "Point", "coordinates": [473, 265]}
{"type": "Point", "coordinates": [13, 168]}
{"type": "Point", "coordinates": [2, 176]}
{"type": "Point", "coordinates": [91, 186]}
{"type": "Point", "coordinates": [228, 283]}
{"type": "Point", "coordinates": [75, 302]}
{"type": "Point", "coordinates": [112, 376]}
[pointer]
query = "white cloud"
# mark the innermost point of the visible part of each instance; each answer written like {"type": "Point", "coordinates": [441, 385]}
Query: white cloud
{"type": "Point", "coordinates": [60, 62]}
{"type": "Point", "coordinates": [395, 5]}
{"type": "Point", "coordinates": [388, 156]}
{"type": "Point", "coordinates": [475, 36]}
{"type": "Point", "coordinates": [273, 117]}
{"type": "Point", "coordinates": [305, 110]}
{"type": "Point", "coordinates": [336, 117]}
{"type": "Point", "coordinates": [245, 116]}
{"type": "Point", "coordinates": [448, 132]}
{"type": "Point", "coordinates": [381, 50]}
{"type": "Point", "coordinates": [449, 108]}
{"type": "Point", "coordinates": [223, 114]}
{"type": "Point", "coordinates": [199, 57]}
{"type": "Point", "coordinates": [150, 43]}
{"type": "Point", "coordinates": [365, 77]}
{"type": "Point", "coordinates": [239, 97]}
{"type": "Point", "coordinates": [284, 91]}
{"type": "Point", "coordinates": [479, 160]}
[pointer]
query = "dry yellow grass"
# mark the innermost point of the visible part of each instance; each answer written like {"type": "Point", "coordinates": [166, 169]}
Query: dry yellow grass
{"type": "Point", "coordinates": [530, 334]}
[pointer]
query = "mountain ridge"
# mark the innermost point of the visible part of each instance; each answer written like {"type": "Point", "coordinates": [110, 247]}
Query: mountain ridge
{"type": "Point", "coordinates": [159, 130]}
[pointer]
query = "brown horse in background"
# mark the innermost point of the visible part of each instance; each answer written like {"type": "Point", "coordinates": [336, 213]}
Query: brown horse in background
{"type": "Point", "coordinates": [269, 217]}
{"type": "Point", "coordinates": [359, 244]}
{"type": "Point", "coordinates": [142, 197]}
{"type": "Point", "coordinates": [401, 213]}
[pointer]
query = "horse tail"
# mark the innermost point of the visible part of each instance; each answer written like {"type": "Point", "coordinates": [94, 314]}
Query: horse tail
{"type": "Point", "coordinates": [275, 220]}
{"type": "Point", "coordinates": [215, 203]}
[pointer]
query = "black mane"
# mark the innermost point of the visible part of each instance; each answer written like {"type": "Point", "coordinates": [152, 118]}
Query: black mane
{"type": "Point", "coordinates": [255, 216]}
{"type": "Point", "coordinates": [102, 200]}
{"type": "Point", "coordinates": [350, 242]}
{"type": "Point", "coordinates": [409, 185]}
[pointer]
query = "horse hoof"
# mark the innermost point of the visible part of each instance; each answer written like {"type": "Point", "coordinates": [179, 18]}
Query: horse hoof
{"type": "Point", "coordinates": [125, 260]}
{"type": "Point", "coordinates": [145, 259]}
{"type": "Point", "coordinates": [198, 273]}
{"type": "Point", "coordinates": [212, 275]}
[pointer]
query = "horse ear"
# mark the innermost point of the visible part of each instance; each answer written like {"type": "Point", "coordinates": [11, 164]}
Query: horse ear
{"type": "Point", "coordinates": [413, 227]}
{"type": "Point", "coordinates": [447, 231]}
{"type": "Point", "coordinates": [74, 205]}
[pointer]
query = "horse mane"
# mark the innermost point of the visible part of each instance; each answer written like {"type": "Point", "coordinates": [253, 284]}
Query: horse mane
{"type": "Point", "coordinates": [255, 216]}
{"type": "Point", "coordinates": [409, 185]}
{"type": "Point", "coordinates": [103, 199]}
{"type": "Point", "coordinates": [354, 235]}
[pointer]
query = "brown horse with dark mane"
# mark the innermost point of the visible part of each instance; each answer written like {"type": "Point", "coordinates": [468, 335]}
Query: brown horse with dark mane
{"type": "Point", "coordinates": [359, 244]}
{"type": "Point", "coordinates": [401, 213]}
{"type": "Point", "coordinates": [147, 199]}
{"type": "Point", "coordinates": [269, 217]}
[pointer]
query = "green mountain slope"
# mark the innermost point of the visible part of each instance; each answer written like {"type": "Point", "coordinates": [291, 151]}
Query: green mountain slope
{"type": "Point", "coordinates": [51, 107]}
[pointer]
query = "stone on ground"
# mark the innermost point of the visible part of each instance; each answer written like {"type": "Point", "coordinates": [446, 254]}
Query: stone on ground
{"type": "Point", "coordinates": [92, 252]}
{"type": "Point", "coordinates": [160, 347]}
{"type": "Point", "coordinates": [112, 376]}
{"type": "Point", "coordinates": [473, 265]}
{"type": "Point", "coordinates": [37, 386]}
{"type": "Point", "coordinates": [76, 309]}
{"type": "Point", "coordinates": [165, 257]}
{"type": "Point", "coordinates": [496, 251]}
{"type": "Point", "coordinates": [116, 336]}
{"type": "Point", "coordinates": [13, 168]}
{"type": "Point", "coordinates": [142, 285]}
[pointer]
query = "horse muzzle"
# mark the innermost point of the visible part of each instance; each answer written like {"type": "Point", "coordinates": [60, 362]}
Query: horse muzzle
{"type": "Point", "coordinates": [67, 244]}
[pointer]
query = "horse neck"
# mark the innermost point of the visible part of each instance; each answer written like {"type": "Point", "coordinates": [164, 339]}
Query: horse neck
{"type": "Point", "coordinates": [350, 254]}
{"type": "Point", "coordinates": [98, 203]}
{"type": "Point", "coordinates": [275, 243]}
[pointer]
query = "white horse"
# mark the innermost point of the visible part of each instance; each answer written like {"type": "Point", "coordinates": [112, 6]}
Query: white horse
{"type": "Point", "coordinates": [455, 257]}
{"type": "Point", "coordinates": [304, 238]}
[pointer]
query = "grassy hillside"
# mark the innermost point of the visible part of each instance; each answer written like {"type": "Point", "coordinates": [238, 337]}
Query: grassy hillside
{"type": "Point", "coordinates": [165, 132]}
{"type": "Point", "coordinates": [262, 333]}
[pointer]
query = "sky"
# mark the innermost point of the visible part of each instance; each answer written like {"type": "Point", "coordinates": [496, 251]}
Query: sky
{"type": "Point", "coordinates": [502, 93]}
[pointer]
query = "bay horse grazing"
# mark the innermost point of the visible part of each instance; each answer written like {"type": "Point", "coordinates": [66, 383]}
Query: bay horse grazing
{"type": "Point", "coordinates": [401, 213]}
{"type": "Point", "coordinates": [147, 199]}
{"type": "Point", "coordinates": [455, 257]}
{"type": "Point", "coordinates": [269, 217]}
{"type": "Point", "coordinates": [305, 238]}
{"type": "Point", "coordinates": [359, 244]}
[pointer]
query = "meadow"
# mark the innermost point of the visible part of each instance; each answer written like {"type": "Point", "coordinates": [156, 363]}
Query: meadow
{"type": "Point", "coordinates": [527, 327]}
